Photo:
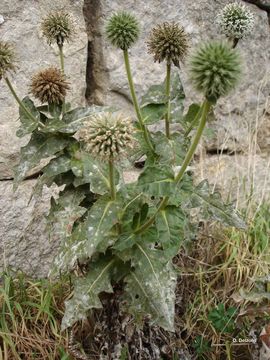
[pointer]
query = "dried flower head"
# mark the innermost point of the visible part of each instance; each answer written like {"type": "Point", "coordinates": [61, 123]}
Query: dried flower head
{"type": "Point", "coordinates": [122, 30]}
{"type": "Point", "coordinates": [57, 28]}
{"type": "Point", "coordinates": [168, 41]}
{"type": "Point", "coordinates": [108, 135]}
{"type": "Point", "coordinates": [7, 58]}
{"type": "Point", "coordinates": [215, 69]}
{"type": "Point", "coordinates": [49, 86]}
{"type": "Point", "coordinates": [235, 21]}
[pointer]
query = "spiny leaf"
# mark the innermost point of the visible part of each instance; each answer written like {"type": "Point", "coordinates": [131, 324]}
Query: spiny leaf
{"type": "Point", "coordinates": [87, 290]}
{"type": "Point", "coordinates": [28, 125]}
{"type": "Point", "coordinates": [170, 224]}
{"type": "Point", "coordinates": [91, 236]}
{"type": "Point", "coordinates": [39, 147]}
{"type": "Point", "coordinates": [157, 180]}
{"type": "Point", "coordinates": [213, 207]}
{"type": "Point", "coordinates": [150, 288]}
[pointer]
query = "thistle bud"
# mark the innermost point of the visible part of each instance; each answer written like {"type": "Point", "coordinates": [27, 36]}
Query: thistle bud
{"type": "Point", "coordinates": [7, 58]}
{"type": "Point", "coordinates": [108, 136]}
{"type": "Point", "coordinates": [122, 30]}
{"type": "Point", "coordinates": [235, 21]}
{"type": "Point", "coordinates": [57, 28]}
{"type": "Point", "coordinates": [49, 86]}
{"type": "Point", "coordinates": [169, 42]}
{"type": "Point", "coordinates": [215, 69]}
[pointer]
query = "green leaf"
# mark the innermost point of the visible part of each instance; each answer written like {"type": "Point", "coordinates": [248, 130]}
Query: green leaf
{"type": "Point", "coordinates": [28, 125]}
{"type": "Point", "coordinates": [157, 181]}
{"type": "Point", "coordinates": [96, 173]}
{"type": "Point", "coordinates": [150, 288]}
{"type": "Point", "coordinates": [93, 235]}
{"type": "Point", "coordinates": [87, 290]}
{"type": "Point", "coordinates": [177, 98]}
{"type": "Point", "coordinates": [39, 147]}
{"type": "Point", "coordinates": [170, 224]}
{"type": "Point", "coordinates": [170, 151]}
{"type": "Point", "coordinates": [154, 95]}
{"type": "Point", "coordinates": [153, 112]}
{"type": "Point", "coordinates": [212, 206]}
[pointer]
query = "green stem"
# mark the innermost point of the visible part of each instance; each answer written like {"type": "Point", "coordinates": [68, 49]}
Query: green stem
{"type": "Point", "coordinates": [193, 123]}
{"type": "Point", "coordinates": [168, 96]}
{"type": "Point", "coordinates": [21, 104]}
{"type": "Point", "coordinates": [112, 179]}
{"type": "Point", "coordinates": [205, 110]}
{"type": "Point", "coordinates": [135, 101]}
{"type": "Point", "coordinates": [62, 64]}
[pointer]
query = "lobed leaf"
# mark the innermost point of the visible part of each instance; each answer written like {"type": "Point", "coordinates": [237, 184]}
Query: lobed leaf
{"type": "Point", "coordinates": [28, 125]}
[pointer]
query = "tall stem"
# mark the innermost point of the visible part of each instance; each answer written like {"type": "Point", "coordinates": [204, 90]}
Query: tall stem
{"type": "Point", "coordinates": [20, 103]}
{"type": "Point", "coordinates": [205, 110]}
{"type": "Point", "coordinates": [168, 96]}
{"type": "Point", "coordinates": [112, 179]}
{"type": "Point", "coordinates": [62, 64]}
{"type": "Point", "coordinates": [135, 102]}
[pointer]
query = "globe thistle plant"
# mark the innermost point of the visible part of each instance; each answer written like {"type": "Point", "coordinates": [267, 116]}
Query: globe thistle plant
{"type": "Point", "coordinates": [168, 42]}
{"type": "Point", "coordinates": [215, 69]}
{"type": "Point", "coordinates": [122, 30]}
{"type": "Point", "coordinates": [7, 58]}
{"type": "Point", "coordinates": [235, 21]}
{"type": "Point", "coordinates": [108, 136]}
{"type": "Point", "coordinates": [57, 28]}
{"type": "Point", "coordinates": [49, 86]}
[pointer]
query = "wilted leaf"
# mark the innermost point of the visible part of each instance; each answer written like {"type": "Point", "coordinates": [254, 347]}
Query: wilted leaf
{"type": "Point", "coordinates": [150, 288]}
{"type": "Point", "coordinates": [87, 290]}
{"type": "Point", "coordinates": [28, 125]}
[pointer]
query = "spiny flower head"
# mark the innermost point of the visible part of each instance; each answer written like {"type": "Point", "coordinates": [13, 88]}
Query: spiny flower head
{"type": "Point", "coordinates": [235, 21]}
{"type": "Point", "coordinates": [49, 86]}
{"type": "Point", "coordinates": [7, 58]}
{"type": "Point", "coordinates": [57, 28]}
{"type": "Point", "coordinates": [168, 41]}
{"type": "Point", "coordinates": [215, 69]}
{"type": "Point", "coordinates": [123, 30]}
{"type": "Point", "coordinates": [108, 135]}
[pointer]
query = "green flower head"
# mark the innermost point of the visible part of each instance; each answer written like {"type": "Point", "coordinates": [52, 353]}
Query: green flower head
{"type": "Point", "coordinates": [215, 69]}
{"type": "Point", "coordinates": [169, 42]}
{"type": "Point", "coordinates": [49, 86]}
{"type": "Point", "coordinates": [57, 28]}
{"type": "Point", "coordinates": [235, 21]}
{"type": "Point", "coordinates": [7, 58]}
{"type": "Point", "coordinates": [108, 135]}
{"type": "Point", "coordinates": [122, 30]}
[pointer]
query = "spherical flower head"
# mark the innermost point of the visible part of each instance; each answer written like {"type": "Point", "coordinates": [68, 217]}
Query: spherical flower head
{"type": "Point", "coordinates": [168, 42]}
{"type": "Point", "coordinates": [57, 28]}
{"type": "Point", "coordinates": [235, 21]}
{"type": "Point", "coordinates": [49, 86]}
{"type": "Point", "coordinates": [7, 58]}
{"type": "Point", "coordinates": [108, 136]}
{"type": "Point", "coordinates": [122, 30]}
{"type": "Point", "coordinates": [215, 69]}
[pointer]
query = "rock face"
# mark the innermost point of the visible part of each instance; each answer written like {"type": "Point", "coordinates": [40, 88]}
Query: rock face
{"type": "Point", "coordinates": [23, 239]}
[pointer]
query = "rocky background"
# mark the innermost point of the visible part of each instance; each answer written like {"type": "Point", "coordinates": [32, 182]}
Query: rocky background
{"type": "Point", "coordinates": [235, 153]}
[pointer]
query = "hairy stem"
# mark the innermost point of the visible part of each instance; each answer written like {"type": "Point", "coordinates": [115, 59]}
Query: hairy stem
{"type": "Point", "coordinates": [135, 102]}
{"type": "Point", "coordinates": [62, 64]}
{"type": "Point", "coordinates": [20, 103]}
{"type": "Point", "coordinates": [205, 110]}
{"type": "Point", "coordinates": [168, 96]}
{"type": "Point", "coordinates": [112, 179]}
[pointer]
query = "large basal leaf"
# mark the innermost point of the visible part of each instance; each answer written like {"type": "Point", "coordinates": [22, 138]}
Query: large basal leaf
{"type": "Point", "coordinates": [73, 120]}
{"type": "Point", "coordinates": [170, 224]}
{"type": "Point", "coordinates": [89, 237]}
{"type": "Point", "coordinates": [96, 174]}
{"type": "Point", "coordinates": [28, 125]}
{"type": "Point", "coordinates": [150, 288]}
{"type": "Point", "coordinates": [157, 181]}
{"type": "Point", "coordinates": [86, 291]}
{"type": "Point", "coordinates": [213, 207]}
{"type": "Point", "coordinates": [39, 147]}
